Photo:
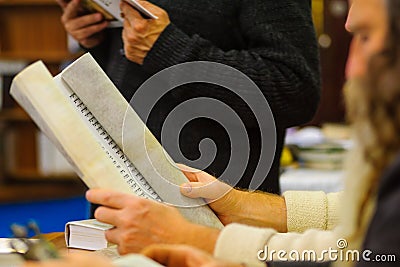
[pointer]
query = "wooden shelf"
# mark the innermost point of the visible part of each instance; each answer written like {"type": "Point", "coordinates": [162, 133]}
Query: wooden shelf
{"type": "Point", "coordinates": [45, 55]}
{"type": "Point", "coordinates": [34, 175]}
{"type": "Point", "coordinates": [14, 115]}
{"type": "Point", "coordinates": [31, 30]}
{"type": "Point", "coordinates": [35, 191]}
{"type": "Point", "coordinates": [27, 2]}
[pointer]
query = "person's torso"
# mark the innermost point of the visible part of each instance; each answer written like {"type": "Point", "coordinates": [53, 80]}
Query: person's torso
{"type": "Point", "coordinates": [216, 21]}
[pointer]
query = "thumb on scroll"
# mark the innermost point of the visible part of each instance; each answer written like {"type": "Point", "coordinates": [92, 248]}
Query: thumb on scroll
{"type": "Point", "coordinates": [202, 184]}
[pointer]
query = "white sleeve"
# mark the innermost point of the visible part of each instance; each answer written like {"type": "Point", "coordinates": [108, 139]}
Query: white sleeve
{"type": "Point", "coordinates": [245, 244]}
{"type": "Point", "coordinates": [311, 210]}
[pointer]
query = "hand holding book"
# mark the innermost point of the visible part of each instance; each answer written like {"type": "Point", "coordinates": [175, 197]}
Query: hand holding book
{"type": "Point", "coordinates": [88, 131]}
{"type": "Point", "coordinates": [88, 29]}
{"type": "Point", "coordinates": [85, 20]}
{"type": "Point", "coordinates": [140, 34]}
{"type": "Point", "coordinates": [140, 222]}
{"type": "Point", "coordinates": [111, 9]}
{"type": "Point", "coordinates": [143, 8]}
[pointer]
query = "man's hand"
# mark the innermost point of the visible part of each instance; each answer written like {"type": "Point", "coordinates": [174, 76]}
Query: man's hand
{"type": "Point", "coordinates": [231, 205]}
{"type": "Point", "coordinates": [224, 200]}
{"type": "Point", "coordinates": [139, 222]}
{"type": "Point", "coordinates": [140, 34]}
{"type": "Point", "coordinates": [76, 259]}
{"type": "Point", "coordinates": [183, 256]}
{"type": "Point", "coordinates": [88, 30]}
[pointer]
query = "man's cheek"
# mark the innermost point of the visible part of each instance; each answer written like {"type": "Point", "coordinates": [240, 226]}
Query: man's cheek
{"type": "Point", "coordinates": [356, 64]}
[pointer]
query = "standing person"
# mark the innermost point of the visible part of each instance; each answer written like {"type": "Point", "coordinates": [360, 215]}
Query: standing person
{"type": "Point", "coordinates": [273, 42]}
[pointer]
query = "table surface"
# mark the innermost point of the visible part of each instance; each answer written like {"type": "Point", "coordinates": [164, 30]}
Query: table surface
{"type": "Point", "coordinates": [58, 239]}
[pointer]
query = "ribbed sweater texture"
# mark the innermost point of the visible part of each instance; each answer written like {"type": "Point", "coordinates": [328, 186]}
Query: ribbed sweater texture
{"type": "Point", "coordinates": [271, 41]}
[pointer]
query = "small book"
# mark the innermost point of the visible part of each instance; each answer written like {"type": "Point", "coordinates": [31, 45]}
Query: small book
{"type": "Point", "coordinates": [108, 145]}
{"type": "Point", "coordinates": [86, 234]}
{"type": "Point", "coordinates": [111, 11]}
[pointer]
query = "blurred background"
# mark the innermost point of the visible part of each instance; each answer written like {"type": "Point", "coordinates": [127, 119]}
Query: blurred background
{"type": "Point", "coordinates": [37, 183]}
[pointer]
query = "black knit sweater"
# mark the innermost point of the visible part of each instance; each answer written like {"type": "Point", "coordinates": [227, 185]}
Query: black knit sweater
{"type": "Point", "coordinates": [271, 41]}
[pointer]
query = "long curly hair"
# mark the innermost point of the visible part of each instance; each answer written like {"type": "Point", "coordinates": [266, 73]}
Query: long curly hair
{"type": "Point", "coordinates": [373, 108]}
